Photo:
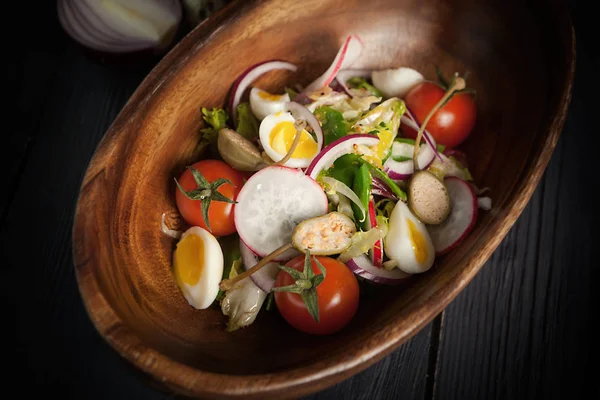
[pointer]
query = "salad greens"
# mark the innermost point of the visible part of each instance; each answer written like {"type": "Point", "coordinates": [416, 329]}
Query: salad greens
{"type": "Point", "coordinates": [332, 122]}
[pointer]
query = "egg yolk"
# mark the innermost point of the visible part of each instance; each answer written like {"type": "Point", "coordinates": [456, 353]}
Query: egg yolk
{"type": "Point", "coordinates": [189, 259]}
{"type": "Point", "coordinates": [268, 96]}
{"type": "Point", "coordinates": [282, 137]}
{"type": "Point", "coordinates": [418, 242]}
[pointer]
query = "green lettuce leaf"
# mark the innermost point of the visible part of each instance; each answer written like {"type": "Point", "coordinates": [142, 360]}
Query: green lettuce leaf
{"type": "Point", "coordinates": [358, 82]}
{"type": "Point", "coordinates": [332, 122]}
{"type": "Point", "coordinates": [247, 124]}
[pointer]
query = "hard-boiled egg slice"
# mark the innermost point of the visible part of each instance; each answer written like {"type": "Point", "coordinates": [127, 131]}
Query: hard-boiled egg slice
{"type": "Point", "coordinates": [277, 132]}
{"type": "Point", "coordinates": [408, 241]}
{"type": "Point", "coordinates": [198, 266]}
{"type": "Point", "coordinates": [263, 103]}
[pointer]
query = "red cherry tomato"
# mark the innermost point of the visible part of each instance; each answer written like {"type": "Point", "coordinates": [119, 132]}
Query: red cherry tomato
{"type": "Point", "coordinates": [337, 297]}
{"type": "Point", "coordinates": [451, 124]}
{"type": "Point", "coordinates": [220, 214]}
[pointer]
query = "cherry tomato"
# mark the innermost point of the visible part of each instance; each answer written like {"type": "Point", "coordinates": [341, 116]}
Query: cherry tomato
{"type": "Point", "coordinates": [220, 214]}
{"type": "Point", "coordinates": [337, 297]}
{"type": "Point", "coordinates": [451, 124]}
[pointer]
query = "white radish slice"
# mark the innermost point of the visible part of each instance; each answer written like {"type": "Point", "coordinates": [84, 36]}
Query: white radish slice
{"type": "Point", "coordinates": [376, 252]}
{"type": "Point", "coordinates": [271, 204]}
{"type": "Point", "coordinates": [461, 220]}
{"type": "Point", "coordinates": [362, 267]}
{"type": "Point", "coordinates": [396, 82]}
{"type": "Point", "coordinates": [336, 149]}
{"type": "Point", "coordinates": [346, 55]}
{"type": "Point", "coordinates": [264, 278]}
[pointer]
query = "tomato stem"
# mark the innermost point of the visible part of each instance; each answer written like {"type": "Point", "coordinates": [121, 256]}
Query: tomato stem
{"type": "Point", "coordinates": [457, 84]}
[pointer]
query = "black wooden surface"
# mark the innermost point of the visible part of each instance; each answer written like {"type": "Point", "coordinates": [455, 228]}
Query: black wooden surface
{"type": "Point", "coordinates": [521, 329]}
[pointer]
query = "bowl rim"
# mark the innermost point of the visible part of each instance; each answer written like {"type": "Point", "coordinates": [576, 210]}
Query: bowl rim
{"type": "Point", "coordinates": [301, 380]}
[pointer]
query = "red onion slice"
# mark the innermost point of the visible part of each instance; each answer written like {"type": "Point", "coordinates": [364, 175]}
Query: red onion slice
{"type": "Point", "coordinates": [336, 149]}
{"type": "Point", "coordinates": [409, 119]}
{"type": "Point", "coordinates": [301, 112]}
{"type": "Point", "coordinates": [362, 266]}
{"type": "Point", "coordinates": [383, 193]}
{"type": "Point", "coordinates": [250, 75]}
{"type": "Point", "coordinates": [345, 74]}
{"type": "Point", "coordinates": [264, 278]}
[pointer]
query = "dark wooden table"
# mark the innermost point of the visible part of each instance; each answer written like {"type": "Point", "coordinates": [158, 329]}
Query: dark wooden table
{"type": "Point", "coordinates": [521, 329]}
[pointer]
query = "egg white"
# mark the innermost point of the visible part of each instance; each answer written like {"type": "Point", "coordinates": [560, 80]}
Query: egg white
{"type": "Point", "coordinates": [263, 107]}
{"type": "Point", "coordinates": [264, 132]}
{"type": "Point", "coordinates": [203, 293]}
{"type": "Point", "coordinates": [398, 243]}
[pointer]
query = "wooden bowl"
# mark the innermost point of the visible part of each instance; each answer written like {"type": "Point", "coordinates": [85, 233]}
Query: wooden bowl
{"type": "Point", "coordinates": [522, 64]}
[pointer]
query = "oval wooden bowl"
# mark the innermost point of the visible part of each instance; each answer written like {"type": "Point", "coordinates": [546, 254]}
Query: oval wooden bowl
{"type": "Point", "coordinates": [522, 64]}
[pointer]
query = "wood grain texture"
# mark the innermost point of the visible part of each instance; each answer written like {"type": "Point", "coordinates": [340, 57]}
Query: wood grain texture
{"type": "Point", "coordinates": [123, 261]}
{"type": "Point", "coordinates": [521, 328]}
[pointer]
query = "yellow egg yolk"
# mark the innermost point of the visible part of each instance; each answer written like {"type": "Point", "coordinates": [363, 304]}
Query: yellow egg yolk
{"type": "Point", "coordinates": [282, 137]}
{"type": "Point", "coordinates": [268, 96]}
{"type": "Point", "coordinates": [418, 242]}
{"type": "Point", "coordinates": [189, 260]}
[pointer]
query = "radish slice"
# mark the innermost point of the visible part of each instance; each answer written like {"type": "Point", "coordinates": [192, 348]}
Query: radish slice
{"type": "Point", "coordinates": [345, 74]}
{"type": "Point", "coordinates": [396, 82]}
{"type": "Point", "coordinates": [336, 149]}
{"type": "Point", "coordinates": [346, 55]}
{"type": "Point", "coordinates": [399, 170]}
{"type": "Point", "coordinates": [362, 266]}
{"type": "Point", "coordinates": [461, 220]}
{"type": "Point", "coordinates": [301, 112]}
{"type": "Point", "coordinates": [271, 204]}
{"type": "Point", "coordinates": [250, 75]}
{"type": "Point", "coordinates": [376, 253]}
{"type": "Point", "coordinates": [264, 278]}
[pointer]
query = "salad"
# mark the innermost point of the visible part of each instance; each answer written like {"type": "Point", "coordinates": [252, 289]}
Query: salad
{"type": "Point", "coordinates": [300, 198]}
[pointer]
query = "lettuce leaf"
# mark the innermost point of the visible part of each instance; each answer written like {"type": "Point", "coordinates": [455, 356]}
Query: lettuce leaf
{"type": "Point", "coordinates": [332, 123]}
{"type": "Point", "coordinates": [247, 124]}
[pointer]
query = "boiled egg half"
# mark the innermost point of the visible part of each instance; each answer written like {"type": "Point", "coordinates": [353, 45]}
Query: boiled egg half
{"type": "Point", "coordinates": [198, 266]}
{"type": "Point", "coordinates": [277, 132]}
{"type": "Point", "coordinates": [408, 241]}
{"type": "Point", "coordinates": [264, 103]}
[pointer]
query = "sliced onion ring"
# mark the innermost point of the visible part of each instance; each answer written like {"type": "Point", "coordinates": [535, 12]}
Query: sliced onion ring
{"type": "Point", "coordinates": [383, 193]}
{"type": "Point", "coordinates": [409, 119]}
{"type": "Point", "coordinates": [301, 112]}
{"type": "Point", "coordinates": [250, 75]}
{"type": "Point", "coordinates": [362, 267]}
{"type": "Point", "coordinates": [336, 149]}
{"type": "Point", "coordinates": [345, 74]}
{"type": "Point", "coordinates": [342, 188]}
